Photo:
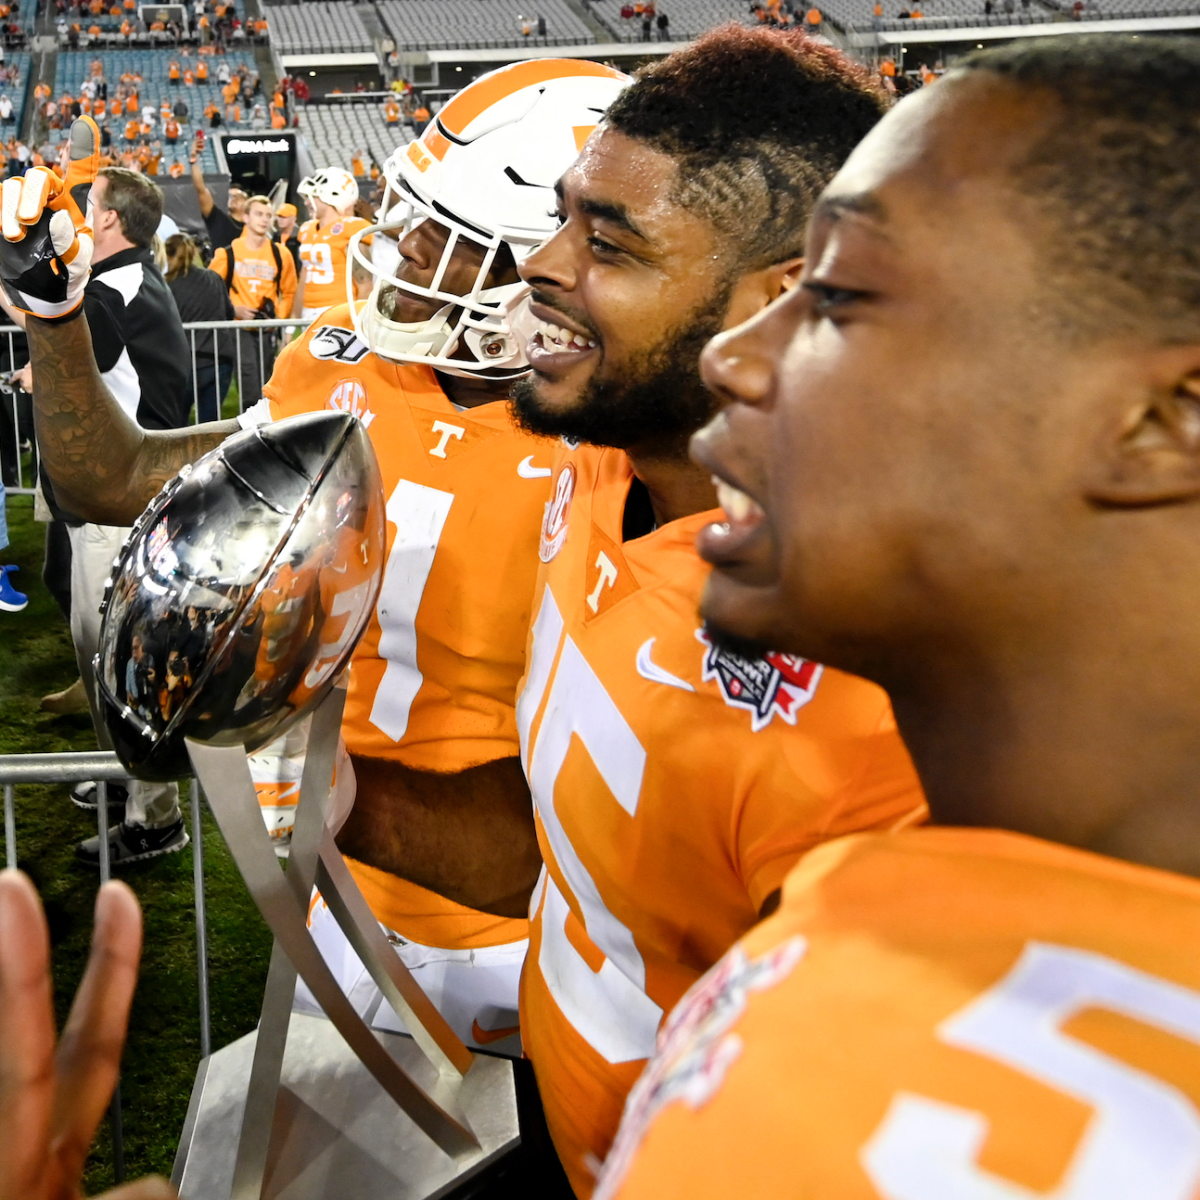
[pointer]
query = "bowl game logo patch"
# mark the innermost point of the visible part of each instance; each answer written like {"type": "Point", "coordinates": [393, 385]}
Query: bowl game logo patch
{"type": "Point", "coordinates": [696, 1047]}
{"type": "Point", "coordinates": [773, 685]}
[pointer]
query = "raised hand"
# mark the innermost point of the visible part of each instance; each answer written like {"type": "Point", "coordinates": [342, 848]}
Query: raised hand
{"type": "Point", "coordinates": [45, 242]}
{"type": "Point", "coordinates": [51, 1101]}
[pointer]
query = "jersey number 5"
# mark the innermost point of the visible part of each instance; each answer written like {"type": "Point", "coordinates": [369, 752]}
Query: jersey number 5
{"type": "Point", "coordinates": [609, 1008]}
{"type": "Point", "coordinates": [1143, 1139]}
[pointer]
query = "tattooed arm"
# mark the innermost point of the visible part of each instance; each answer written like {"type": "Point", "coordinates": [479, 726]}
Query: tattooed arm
{"type": "Point", "coordinates": [104, 466]}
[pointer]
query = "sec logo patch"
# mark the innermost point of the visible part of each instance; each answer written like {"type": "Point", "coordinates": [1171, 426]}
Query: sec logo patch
{"type": "Point", "coordinates": [350, 396]}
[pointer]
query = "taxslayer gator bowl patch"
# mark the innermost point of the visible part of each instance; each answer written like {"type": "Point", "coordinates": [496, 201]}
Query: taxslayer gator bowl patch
{"type": "Point", "coordinates": [775, 685]}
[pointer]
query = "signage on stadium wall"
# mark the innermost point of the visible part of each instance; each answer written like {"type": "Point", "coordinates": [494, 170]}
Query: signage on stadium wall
{"type": "Point", "coordinates": [257, 145]}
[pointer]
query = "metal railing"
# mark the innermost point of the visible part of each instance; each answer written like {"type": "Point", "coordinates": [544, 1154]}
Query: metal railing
{"type": "Point", "coordinates": [221, 353]}
{"type": "Point", "coordinates": [104, 767]}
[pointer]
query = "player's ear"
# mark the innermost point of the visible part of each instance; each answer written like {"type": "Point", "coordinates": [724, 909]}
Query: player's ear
{"type": "Point", "coordinates": [756, 289]}
{"type": "Point", "coordinates": [1153, 454]}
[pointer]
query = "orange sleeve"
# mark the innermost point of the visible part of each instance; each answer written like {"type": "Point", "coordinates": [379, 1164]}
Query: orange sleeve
{"type": "Point", "coordinates": [855, 768]}
{"type": "Point", "coordinates": [287, 284]}
{"type": "Point", "coordinates": [219, 262]}
{"type": "Point", "coordinates": [287, 381]}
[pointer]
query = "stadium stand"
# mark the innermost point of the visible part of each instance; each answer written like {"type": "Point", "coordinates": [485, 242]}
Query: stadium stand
{"type": "Point", "coordinates": [152, 66]}
{"type": "Point", "coordinates": [336, 131]}
{"type": "Point", "coordinates": [317, 27]}
{"type": "Point", "coordinates": [468, 24]}
{"type": "Point", "coordinates": [689, 18]}
{"type": "Point", "coordinates": [14, 83]}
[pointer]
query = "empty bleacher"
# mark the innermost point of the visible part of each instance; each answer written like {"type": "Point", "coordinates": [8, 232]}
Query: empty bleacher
{"type": "Point", "coordinates": [317, 27]}
{"type": "Point", "coordinates": [471, 24]}
{"type": "Point", "coordinates": [152, 65]}
{"type": "Point", "coordinates": [335, 131]}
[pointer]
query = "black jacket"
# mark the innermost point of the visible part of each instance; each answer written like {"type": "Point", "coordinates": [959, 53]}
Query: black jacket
{"type": "Point", "coordinates": [138, 338]}
{"type": "Point", "coordinates": [201, 295]}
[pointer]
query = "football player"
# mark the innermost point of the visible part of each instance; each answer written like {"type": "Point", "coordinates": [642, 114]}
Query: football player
{"type": "Point", "coordinates": [677, 781]}
{"type": "Point", "coordinates": [430, 723]}
{"type": "Point", "coordinates": [324, 239]}
{"type": "Point", "coordinates": [1007, 537]}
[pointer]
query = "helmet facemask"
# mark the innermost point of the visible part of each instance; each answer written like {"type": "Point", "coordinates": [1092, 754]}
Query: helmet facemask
{"type": "Point", "coordinates": [470, 335]}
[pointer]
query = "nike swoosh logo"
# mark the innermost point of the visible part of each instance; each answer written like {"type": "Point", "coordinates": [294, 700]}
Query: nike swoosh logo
{"type": "Point", "coordinates": [485, 1037]}
{"type": "Point", "coordinates": [527, 470]}
{"type": "Point", "coordinates": [648, 669]}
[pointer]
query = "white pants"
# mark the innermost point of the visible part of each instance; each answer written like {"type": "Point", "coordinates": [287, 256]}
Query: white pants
{"type": "Point", "coordinates": [475, 990]}
{"type": "Point", "coordinates": [93, 548]}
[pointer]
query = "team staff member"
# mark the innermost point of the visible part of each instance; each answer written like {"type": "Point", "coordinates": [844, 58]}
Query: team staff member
{"type": "Point", "coordinates": [262, 283]}
{"type": "Point", "coordinates": [1009, 540]}
{"type": "Point", "coordinates": [323, 240]}
{"type": "Point", "coordinates": [675, 782]}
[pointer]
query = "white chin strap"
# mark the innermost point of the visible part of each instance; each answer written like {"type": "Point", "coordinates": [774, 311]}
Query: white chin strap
{"type": "Point", "coordinates": [490, 341]}
{"type": "Point", "coordinates": [405, 340]}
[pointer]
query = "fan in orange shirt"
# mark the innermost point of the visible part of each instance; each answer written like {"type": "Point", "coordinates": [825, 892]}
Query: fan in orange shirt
{"type": "Point", "coordinates": [675, 781]}
{"type": "Point", "coordinates": [325, 239]}
{"type": "Point", "coordinates": [972, 1012]}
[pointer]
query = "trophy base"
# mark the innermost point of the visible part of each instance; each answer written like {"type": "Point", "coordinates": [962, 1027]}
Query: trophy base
{"type": "Point", "coordinates": [337, 1133]}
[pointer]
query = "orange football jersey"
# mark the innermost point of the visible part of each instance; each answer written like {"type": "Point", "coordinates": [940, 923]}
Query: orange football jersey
{"type": "Point", "coordinates": [323, 252]}
{"type": "Point", "coordinates": [940, 1014]}
{"type": "Point", "coordinates": [434, 679]}
{"type": "Point", "coordinates": [675, 786]}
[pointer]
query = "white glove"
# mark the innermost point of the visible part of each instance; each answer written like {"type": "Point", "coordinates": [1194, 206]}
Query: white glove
{"type": "Point", "coordinates": [45, 255]}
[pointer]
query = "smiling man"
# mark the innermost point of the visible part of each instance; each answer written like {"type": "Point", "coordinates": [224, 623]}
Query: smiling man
{"type": "Point", "coordinates": [1008, 539]}
{"type": "Point", "coordinates": [440, 838]}
{"type": "Point", "coordinates": [676, 782]}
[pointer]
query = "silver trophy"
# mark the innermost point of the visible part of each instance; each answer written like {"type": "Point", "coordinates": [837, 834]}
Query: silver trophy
{"type": "Point", "coordinates": [231, 614]}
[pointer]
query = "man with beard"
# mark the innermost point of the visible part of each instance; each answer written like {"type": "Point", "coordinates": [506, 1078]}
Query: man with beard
{"type": "Point", "coordinates": [426, 364]}
{"type": "Point", "coordinates": [1009, 541]}
{"type": "Point", "coordinates": [675, 782]}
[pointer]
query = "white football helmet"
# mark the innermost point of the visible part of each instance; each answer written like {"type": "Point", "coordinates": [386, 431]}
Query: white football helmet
{"type": "Point", "coordinates": [335, 187]}
{"type": "Point", "coordinates": [485, 168]}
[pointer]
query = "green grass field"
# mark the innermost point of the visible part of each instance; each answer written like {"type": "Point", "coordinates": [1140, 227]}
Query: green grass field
{"type": "Point", "coordinates": [164, 1032]}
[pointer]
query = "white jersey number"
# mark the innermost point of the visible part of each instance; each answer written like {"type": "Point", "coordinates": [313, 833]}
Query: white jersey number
{"type": "Point", "coordinates": [419, 514]}
{"type": "Point", "coordinates": [609, 1008]}
{"type": "Point", "coordinates": [1144, 1137]}
{"type": "Point", "coordinates": [319, 259]}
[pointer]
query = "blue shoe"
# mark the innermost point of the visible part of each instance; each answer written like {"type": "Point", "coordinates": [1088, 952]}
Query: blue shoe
{"type": "Point", "coordinates": [10, 599]}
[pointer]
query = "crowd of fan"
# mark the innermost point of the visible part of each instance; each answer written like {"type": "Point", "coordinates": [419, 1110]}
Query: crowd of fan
{"type": "Point", "coordinates": [214, 25]}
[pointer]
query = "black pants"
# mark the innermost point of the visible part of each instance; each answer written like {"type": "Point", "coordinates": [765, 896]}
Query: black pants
{"type": "Point", "coordinates": [258, 348]}
{"type": "Point", "coordinates": [56, 568]}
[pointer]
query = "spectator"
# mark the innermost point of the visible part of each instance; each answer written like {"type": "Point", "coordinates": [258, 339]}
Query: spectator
{"type": "Point", "coordinates": [646, 25]}
{"type": "Point", "coordinates": [420, 118]}
{"type": "Point", "coordinates": [541, 26]}
{"type": "Point", "coordinates": [663, 23]}
{"type": "Point", "coordinates": [202, 296]}
{"type": "Point", "coordinates": [262, 284]}
{"type": "Point", "coordinates": [6, 109]}
{"type": "Point", "coordinates": [812, 19]}
{"type": "Point", "coordinates": [259, 118]}
{"type": "Point", "coordinates": [222, 227]}
{"type": "Point", "coordinates": [287, 234]}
